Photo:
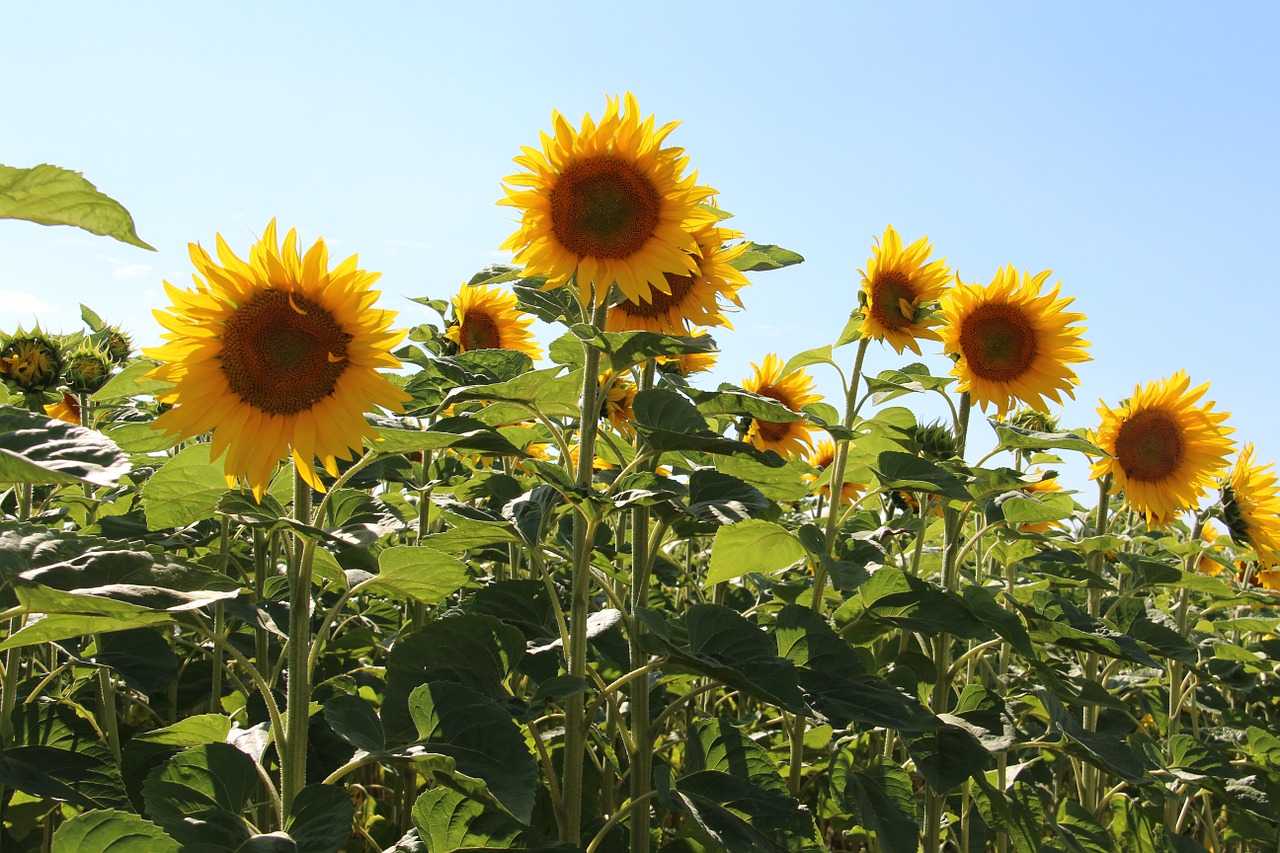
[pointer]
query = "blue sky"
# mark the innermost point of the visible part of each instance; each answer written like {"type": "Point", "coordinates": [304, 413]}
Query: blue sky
{"type": "Point", "coordinates": [1128, 147]}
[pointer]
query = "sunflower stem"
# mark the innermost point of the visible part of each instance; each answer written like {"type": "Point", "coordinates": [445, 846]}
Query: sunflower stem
{"type": "Point", "coordinates": [1092, 775]}
{"type": "Point", "coordinates": [940, 699]}
{"type": "Point", "coordinates": [293, 760]}
{"type": "Point", "coordinates": [575, 731]}
{"type": "Point", "coordinates": [638, 689]}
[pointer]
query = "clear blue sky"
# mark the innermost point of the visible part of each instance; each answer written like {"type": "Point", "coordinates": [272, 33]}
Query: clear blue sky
{"type": "Point", "coordinates": [1130, 147]}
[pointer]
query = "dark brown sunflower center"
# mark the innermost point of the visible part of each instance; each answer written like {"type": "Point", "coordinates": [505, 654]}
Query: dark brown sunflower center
{"type": "Point", "coordinates": [660, 303]}
{"type": "Point", "coordinates": [603, 207]}
{"type": "Point", "coordinates": [773, 430]}
{"type": "Point", "coordinates": [1149, 446]}
{"type": "Point", "coordinates": [888, 292]}
{"type": "Point", "coordinates": [998, 343]}
{"type": "Point", "coordinates": [479, 331]}
{"type": "Point", "coordinates": [281, 356]}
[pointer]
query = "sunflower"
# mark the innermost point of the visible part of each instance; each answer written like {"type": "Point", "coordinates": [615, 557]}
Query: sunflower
{"type": "Point", "coordinates": [487, 318]}
{"type": "Point", "coordinates": [618, 404]}
{"type": "Point", "coordinates": [1165, 450]}
{"type": "Point", "coordinates": [693, 299]}
{"type": "Point", "coordinates": [821, 457]}
{"type": "Point", "coordinates": [274, 354]}
{"type": "Point", "coordinates": [1012, 342]}
{"type": "Point", "coordinates": [31, 361]}
{"type": "Point", "coordinates": [898, 288]}
{"type": "Point", "coordinates": [1043, 486]}
{"type": "Point", "coordinates": [1251, 505]}
{"type": "Point", "coordinates": [607, 204]}
{"type": "Point", "coordinates": [688, 363]}
{"type": "Point", "coordinates": [67, 409]}
{"type": "Point", "coordinates": [795, 391]}
{"type": "Point", "coordinates": [1202, 563]}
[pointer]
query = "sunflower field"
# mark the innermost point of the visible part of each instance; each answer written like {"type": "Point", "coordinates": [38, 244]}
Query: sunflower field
{"type": "Point", "coordinates": [301, 579]}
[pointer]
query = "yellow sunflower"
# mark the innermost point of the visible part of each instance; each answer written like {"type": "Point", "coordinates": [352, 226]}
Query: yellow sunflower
{"type": "Point", "coordinates": [795, 391]}
{"type": "Point", "coordinates": [1012, 341]}
{"type": "Point", "coordinates": [31, 361]}
{"type": "Point", "coordinates": [689, 363]}
{"type": "Point", "coordinates": [821, 457]}
{"type": "Point", "coordinates": [487, 318]}
{"type": "Point", "coordinates": [1042, 486]}
{"type": "Point", "coordinates": [1166, 450]}
{"type": "Point", "coordinates": [693, 299]}
{"type": "Point", "coordinates": [1209, 534]}
{"type": "Point", "coordinates": [273, 354]}
{"type": "Point", "coordinates": [898, 288]}
{"type": "Point", "coordinates": [67, 409]}
{"type": "Point", "coordinates": [1251, 505]}
{"type": "Point", "coordinates": [607, 204]}
{"type": "Point", "coordinates": [618, 404]}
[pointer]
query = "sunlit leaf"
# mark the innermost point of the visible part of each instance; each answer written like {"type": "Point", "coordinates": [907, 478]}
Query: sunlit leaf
{"type": "Point", "coordinates": [37, 450]}
{"type": "Point", "coordinates": [49, 195]}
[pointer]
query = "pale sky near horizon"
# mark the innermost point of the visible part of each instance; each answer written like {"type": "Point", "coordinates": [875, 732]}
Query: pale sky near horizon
{"type": "Point", "coordinates": [1128, 147]}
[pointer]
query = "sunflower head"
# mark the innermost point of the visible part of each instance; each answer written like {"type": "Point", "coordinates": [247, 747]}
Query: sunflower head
{"type": "Point", "coordinates": [691, 299]}
{"type": "Point", "coordinates": [934, 442]}
{"type": "Point", "coordinates": [487, 318]}
{"type": "Point", "coordinates": [821, 457]}
{"type": "Point", "coordinates": [117, 343]}
{"type": "Point", "coordinates": [1251, 507]}
{"type": "Point", "coordinates": [1012, 342]}
{"type": "Point", "coordinates": [1046, 485]}
{"type": "Point", "coordinates": [795, 391]}
{"type": "Point", "coordinates": [88, 368]}
{"type": "Point", "coordinates": [1034, 421]}
{"type": "Point", "coordinates": [31, 361]}
{"type": "Point", "coordinates": [1166, 447]}
{"type": "Point", "coordinates": [607, 204]}
{"type": "Point", "coordinates": [273, 355]}
{"type": "Point", "coordinates": [1209, 535]}
{"type": "Point", "coordinates": [619, 402]}
{"type": "Point", "coordinates": [898, 289]}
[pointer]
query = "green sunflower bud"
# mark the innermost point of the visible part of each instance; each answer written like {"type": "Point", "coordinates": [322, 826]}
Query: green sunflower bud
{"type": "Point", "coordinates": [116, 342]}
{"type": "Point", "coordinates": [31, 362]}
{"type": "Point", "coordinates": [88, 368]}
{"type": "Point", "coordinates": [935, 442]}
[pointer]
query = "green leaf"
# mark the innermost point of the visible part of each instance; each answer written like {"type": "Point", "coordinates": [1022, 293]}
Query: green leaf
{"type": "Point", "coordinates": [481, 738]}
{"type": "Point", "coordinates": [39, 450]}
{"type": "Point", "coordinates": [476, 650]}
{"type": "Point", "coordinates": [91, 318]}
{"type": "Point", "coordinates": [852, 329]}
{"type": "Point", "coordinates": [198, 795]}
{"type": "Point", "coordinates": [132, 382]}
{"type": "Point", "coordinates": [817, 355]}
{"type": "Point", "coordinates": [461, 434]}
{"type": "Point", "coordinates": [549, 306]}
{"type": "Point", "coordinates": [623, 350]}
{"type": "Point", "coordinates": [897, 470]}
{"type": "Point", "coordinates": [554, 395]}
{"type": "Point", "coordinates": [1081, 830]}
{"type": "Point", "coordinates": [1020, 438]}
{"type": "Point", "coordinates": [738, 816]}
{"type": "Point", "coordinates": [423, 574]}
{"type": "Point", "coordinates": [320, 819]}
{"type": "Point", "coordinates": [728, 400]}
{"type": "Point", "coordinates": [49, 195]}
{"type": "Point", "coordinates": [719, 745]}
{"type": "Point", "coordinates": [947, 757]}
{"type": "Point", "coordinates": [85, 777]}
{"type": "Point", "coordinates": [761, 257]}
{"type": "Point", "coordinates": [193, 731]}
{"type": "Point", "coordinates": [111, 831]}
{"type": "Point", "coordinates": [783, 483]}
{"type": "Point", "coordinates": [354, 720]}
{"type": "Point", "coordinates": [184, 490]}
{"type": "Point", "coordinates": [669, 422]}
{"type": "Point", "coordinates": [880, 797]}
{"type": "Point", "coordinates": [718, 499]}
{"type": "Point", "coordinates": [447, 821]}
{"type": "Point", "coordinates": [913, 604]}
{"type": "Point", "coordinates": [751, 546]}
{"type": "Point", "coordinates": [139, 438]}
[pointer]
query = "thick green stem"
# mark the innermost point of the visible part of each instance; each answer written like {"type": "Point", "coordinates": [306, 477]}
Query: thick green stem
{"type": "Point", "coordinates": [575, 729]}
{"type": "Point", "coordinates": [1092, 776]}
{"type": "Point", "coordinates": [293, 757]}
{"type": "Point", "coordinates": [638, 690]}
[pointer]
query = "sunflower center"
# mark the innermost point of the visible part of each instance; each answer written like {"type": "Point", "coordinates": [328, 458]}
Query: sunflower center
{"type": "Point", "coordinates": [998, 342]}
{"type": "Point", "coordinates": [1149, 446]}
{"type": "Point", "coordinates": [660, 302]}
{"type": "Point", "coordinates": [479, 331]}
{"type": "Point", "coordinates": [283, 355]}
{"type": "Point", "coordinates": [603, 207]}
{"type": "Point", "coordinates": [888, 292]}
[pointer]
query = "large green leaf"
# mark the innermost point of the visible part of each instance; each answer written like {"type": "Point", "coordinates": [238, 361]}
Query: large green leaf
{"type": "Point", "coordinates": [473, 649]}
{"type": "Point", "coordinates": [552, 393]}
{"type": "Point", "coordinates": [719, 745]}
{"type": "Point", "coordinates": [50, 195]}
{"type": "Point", "coordinates": [753, 545]}
{"type": "Point", "coordinates": [759, 257]}
{"type": "Point", "coordinates": [354, 720]}
{"type": "Point", "coordinates": [484, 742]}
{"type": "Point", "coordinates": [198, 795]}
{"type": "Point", "coordinates": [38, 450]}
{"type": "Point", "coordinates": [423, 574]}
{"type": "Point", "coordinates": [879, 796]}
{"type": "Point", "coordinates": [623, 350]}
{"type": "Point", "coordinates": [133, 381]}
{"type": "Point", "coordinates": [87, 777]}
{"type": "Point", "coordinates": [447, 821]}
{"type": "Point", "coordinates": [112, 831]}
{"type": "Point", "coordinates": [897, 470]}
{"type": "Point", "coordinates": [185, 489]}
{"type": "Point", "coordinates": [739, 817]}
{"type": "Point", "coordinates": [905, 601]}
{"type": "Point", "coordinates": [462, 434]}
{"type": "Point", "coordinates": [669, 422]}
{"type": "Point", "coordinates": [319, 820]}
{"type": "Point", "coordinates": [1021, 438]}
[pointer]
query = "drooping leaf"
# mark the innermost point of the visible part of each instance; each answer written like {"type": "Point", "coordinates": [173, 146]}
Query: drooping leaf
{"type": "Point", "coordinates": [719, 745]}
{"type": "Point", "coordinates": [623, 350]}
{"type": "Point", "coordinates": [760, 257]}
{"type": "Point", "coordinates": [1021, 438]}
{"type": "Point", "coordinates": [198, 795]}
{"type": "Point", "coordinates": [736, 815]}
{"type": "Point", "coordinates": [447, 820]}
{"type": "Point", "coordinates": [481, 738]}
{"type": "Point", "coordinates": [879, 796]}
{"type": "Point", "coordinates": [354, 720]}
{"type": "Point", "coordinates": [669, 422]}
{"type": "Point", "coordinates": [132, 381]}
{"type": "Point", "coordinates": [423, 574]}
{"type": "Point", "coordinates": [319, 820]}
{"type": "Point", "coordinates": [462, 434]}
{"type": "Point", "coordinates": [897, 470]}
{"type": "Point", "coordinates": [86, 777]}
{"type": "Point", "coordinates": [39, 450]}
{"type": "Point", "coordinates": [49, 195]}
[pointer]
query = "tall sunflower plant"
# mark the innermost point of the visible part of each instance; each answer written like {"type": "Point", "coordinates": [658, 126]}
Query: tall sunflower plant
{"type": "Point", "coordinates": [299, 579]}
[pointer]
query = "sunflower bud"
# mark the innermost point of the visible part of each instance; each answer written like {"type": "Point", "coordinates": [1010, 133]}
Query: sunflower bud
{"type": "Point", "coordinates": [88, 368]}
{"type": "Point", "coordinates": [116, 342]}
{"type": "Point", "coordinates": [1034, 421]}
{"type": "Point", "coordinates": [934, 442]}
{"type": "Point", "coordinates": [31, 361]}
